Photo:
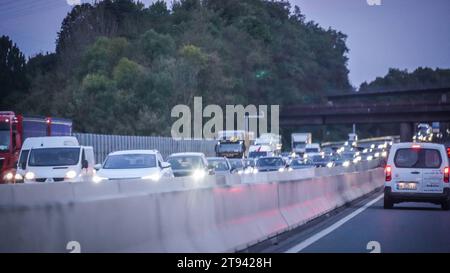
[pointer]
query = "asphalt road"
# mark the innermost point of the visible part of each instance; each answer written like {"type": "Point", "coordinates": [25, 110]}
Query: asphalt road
{"type": "Point", "coordinates": [409, 227]}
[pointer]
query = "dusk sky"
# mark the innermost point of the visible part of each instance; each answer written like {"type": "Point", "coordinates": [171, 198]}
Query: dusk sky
{"type": "Point", "coordinates": [398, 33]}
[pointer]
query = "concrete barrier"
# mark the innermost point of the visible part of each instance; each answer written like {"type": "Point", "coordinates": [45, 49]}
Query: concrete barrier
{"type": "Point", "coordinates": [180, 215]}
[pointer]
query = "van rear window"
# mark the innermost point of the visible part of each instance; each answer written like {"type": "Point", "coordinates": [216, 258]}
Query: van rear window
{"type": "Point", "coordinates": [417, 158]}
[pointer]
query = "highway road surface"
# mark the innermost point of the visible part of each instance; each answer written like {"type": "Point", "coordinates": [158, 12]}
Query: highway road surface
{"type": "Point", "coordinates": [365, 227]}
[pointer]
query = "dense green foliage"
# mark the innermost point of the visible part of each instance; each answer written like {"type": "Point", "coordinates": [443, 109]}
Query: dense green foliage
{"type": "Point", "coordinates": [120, 67]}
{"type": "Point", "coordinates": [420, 78]}
{"type": "Point", "coordinates": [13, 77]}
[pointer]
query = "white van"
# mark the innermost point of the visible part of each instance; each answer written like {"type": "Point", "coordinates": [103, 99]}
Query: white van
{"type": "Point", "coordinates": [57, 160]}
{"type": "Point", "coordinates": [34, 142]}
{"type": "Point", "coordinates": [417, 172]}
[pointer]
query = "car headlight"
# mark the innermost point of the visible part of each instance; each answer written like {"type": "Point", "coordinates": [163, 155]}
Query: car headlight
{"type": "Point", "coordinates": [369, 158]}
{"type": "Point", "coordinates": [154, 177]}
{"type": "Point", "coordinates": [281, 169]}
{"type": "Point", "coordinates": [18, 177]}
{"type": "Point", "coordinates": [384, 154]}
{"type": "Point", "coordinates": [71, 174]}
{"type": "Point", "coordinates": [240, 172]}
{"type": "Point", "coordinates": [255, 170]}
{"type": "Point", "coordinates": [98, 179]}
{"type": "Point", "coordinates": [330, 164]}
{"type": "Point", "coordinates": [346, 164]}
{"type": "Point", "coordinates": [29, 176]}
{"type": "Point", "coordinates": [8, 177]}
{"type": "Point", "coordinates": [198, 174]}
{"type": "Point", "coordinates": [377, 154]}
{"type": "Point", "coordinates": [290, 169]}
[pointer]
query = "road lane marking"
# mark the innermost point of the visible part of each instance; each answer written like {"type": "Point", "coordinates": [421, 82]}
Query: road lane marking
{"type": "Point", "coordinates": [311, 240]}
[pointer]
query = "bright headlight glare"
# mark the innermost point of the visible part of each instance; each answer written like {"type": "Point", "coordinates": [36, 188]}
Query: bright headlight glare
{"type": "Point", "coordinates": [8, 176]}
{"type": "Point", "coordinates": [330, 164]}
{"type": "Point", "coordinates": [71, 174]}
{"type": "Point", "coordinates": [369, 157]}
{"type": "Point", "coordinates": [154, 177]}
{"type": "Point", "coordinates": [255, 170]}
{"type": "Point", "coordinates": [29, 176]}
{"type": "Point", "coordinates": [346, 164]}
{"type": "Point", "coordinates": [198, 174]}
{"type": "Point", "coordinates": [18, 176]}
{"type": "Point", "coordinates": [290, 169]}
{"type": "Point", "coordinates": [384, 154]}
{"type": "Point", "coordinates": [98, 179]}
{"type": "Point", "coordinates": [281, 169]}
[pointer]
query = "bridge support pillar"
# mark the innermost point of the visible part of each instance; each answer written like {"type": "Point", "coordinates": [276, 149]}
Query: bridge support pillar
{"type": "Point", "coordinates": [406, 131]}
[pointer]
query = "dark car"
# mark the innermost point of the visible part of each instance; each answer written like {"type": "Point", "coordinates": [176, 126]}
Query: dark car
{"type": "Point", "coordinates": [270, 164]}
{"type": "Point", "coordinates": [189, 164]}
{"type": "Point", "coordinates": [237, 164]}
{"type": "Point", "coordinates": [301, 164]}
{"type": "Point", "coordinates": [320, 160]}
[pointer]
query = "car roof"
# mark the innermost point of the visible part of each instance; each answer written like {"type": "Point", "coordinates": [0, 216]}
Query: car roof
{"type": "Point", "coordinates": [187, 154]}
{"type": "Point", "coordinates": [216, 158]}
{"type": "Point", "coordinates": [128, 152]}
{"type": "Point", "coordinates": [50, 141]}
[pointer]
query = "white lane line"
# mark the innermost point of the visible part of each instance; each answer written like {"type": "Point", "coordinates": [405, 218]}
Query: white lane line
{"type": "Point", "coordinates": [311, 240]}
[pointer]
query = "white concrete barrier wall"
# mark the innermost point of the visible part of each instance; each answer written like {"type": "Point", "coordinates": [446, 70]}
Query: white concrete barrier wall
{"type": "Point", "coordinates": [181, 215]}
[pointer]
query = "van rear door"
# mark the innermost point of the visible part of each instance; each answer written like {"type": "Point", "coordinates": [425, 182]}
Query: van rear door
{"type": "Point", "coordinates": [417, 169]}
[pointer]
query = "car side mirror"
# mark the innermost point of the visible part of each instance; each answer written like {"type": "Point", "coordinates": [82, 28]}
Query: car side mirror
{"type": "Point", "coordinates": [97, 167]}
{"type": "Point", "coordinates": [84, 164]}
{"type": "Point", "coordinates": [165, 165]}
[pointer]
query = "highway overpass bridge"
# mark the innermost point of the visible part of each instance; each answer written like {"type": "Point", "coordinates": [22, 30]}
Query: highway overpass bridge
{"type": "Point", "coordinates": [341, 110]}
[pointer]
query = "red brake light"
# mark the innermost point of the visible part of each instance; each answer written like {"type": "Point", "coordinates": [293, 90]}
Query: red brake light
{"type": "Point", "coordinates": [446, 175]}
{"type": "Point", "coordinates": [416, 146]}
{"type": "Point", "coordinates": [48, 120]}
{"type": "Point", "coordinates": [388, 172]}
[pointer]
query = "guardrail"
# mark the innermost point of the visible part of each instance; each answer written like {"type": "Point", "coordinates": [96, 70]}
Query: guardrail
{"type": "Point", "coordinates": [217, 214]}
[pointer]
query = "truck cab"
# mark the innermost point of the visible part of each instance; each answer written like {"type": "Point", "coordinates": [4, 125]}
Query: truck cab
{"type": "Point", "coordinates": [15, 129]}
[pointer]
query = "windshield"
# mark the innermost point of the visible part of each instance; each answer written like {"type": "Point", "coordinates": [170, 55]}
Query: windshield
{"type": "Point", "coordinates": [311, 150]}
{"type": "Point", "coordinates": [219, 164]}
{"type": "Point", "coordinates": [257, 154]}
{"type": "Point", "coordinates": [130, 161]}
{"type": "Point", "coordinates": [318, 158]}
{"type": "Point", "coordinates": [297, 162]}
{"type": "Point", "coordinates": [54, 157]}
{"type": "Point", "coordinates": [229, 147]}
{"type": "Point", "coordinates": [299, 145]}
{"type": "Point", "coordinates": [270, 161]}
{"type": "Point", "coordinates": [185, 162]}
{"type": "Point", "coordinates": [236, 163]}
{"type": "Point", "coordinates": [5, 138]}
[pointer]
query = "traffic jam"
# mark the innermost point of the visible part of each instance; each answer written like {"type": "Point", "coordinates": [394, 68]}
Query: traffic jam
{"type": "Point", "coordinates": [43, 150]}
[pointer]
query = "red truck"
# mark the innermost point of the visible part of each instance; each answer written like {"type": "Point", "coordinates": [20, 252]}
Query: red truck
{"type": "Point", "coordinates": [14, 129]}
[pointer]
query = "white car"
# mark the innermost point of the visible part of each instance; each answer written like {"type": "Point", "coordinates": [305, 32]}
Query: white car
{"type": "Point", "coordinates": [133, 164]}
{"type": "Point", "coordinates": [417, 172]}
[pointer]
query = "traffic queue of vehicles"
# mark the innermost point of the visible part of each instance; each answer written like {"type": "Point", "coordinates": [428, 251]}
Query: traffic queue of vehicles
{"type": "Point", "coordinates": [43, 150]}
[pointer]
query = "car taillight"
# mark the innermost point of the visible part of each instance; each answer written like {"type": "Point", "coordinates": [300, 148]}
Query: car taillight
{"type": "Point", "coordinates": [446, 175]}
{"type": "Point", "coordinates": [388, 172]}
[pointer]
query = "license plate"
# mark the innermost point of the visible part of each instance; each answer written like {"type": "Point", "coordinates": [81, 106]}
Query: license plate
{"type": "Point", "coordinates": [407, 186]}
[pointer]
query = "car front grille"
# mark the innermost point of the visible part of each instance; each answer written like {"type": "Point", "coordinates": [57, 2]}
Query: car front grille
{"type": "Point", "coordinates": [55, 179]}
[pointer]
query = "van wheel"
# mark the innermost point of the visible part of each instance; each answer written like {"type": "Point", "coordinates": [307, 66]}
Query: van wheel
{"type": "Point", "coordinates": [445, 205]}
{"type": "Point", "coordinates": [388, 204]}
